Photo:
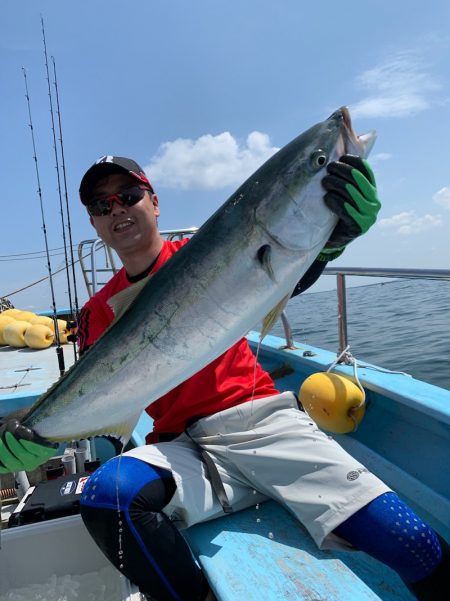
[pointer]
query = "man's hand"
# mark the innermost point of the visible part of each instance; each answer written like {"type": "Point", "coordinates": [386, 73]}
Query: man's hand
{"type": "Point", "coordinates": [21, 448]}
{"type": "Point", "coordinates": [352, 196]}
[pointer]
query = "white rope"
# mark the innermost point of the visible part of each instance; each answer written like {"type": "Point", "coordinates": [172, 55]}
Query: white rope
{"type": "Point", "coordinates": [347, 358]}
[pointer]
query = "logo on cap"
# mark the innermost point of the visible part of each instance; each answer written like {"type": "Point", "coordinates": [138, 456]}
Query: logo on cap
{"type": "Point", "coordinates": [106, 159]}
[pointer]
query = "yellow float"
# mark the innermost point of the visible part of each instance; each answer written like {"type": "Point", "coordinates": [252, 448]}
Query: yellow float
{"type": "Point", "coordinates": [9, 312]}
{"type": "Point", "coordinates": [24, 316]}
{"type": "Point", "coordinates": [39, 336]}
{"type": "Point", "coordinates": [4, 321]}
{"type": "Point", "coordinates": [62, 330]}
{"type": "Point", "coordinates": [334, 402]}
{"type": "Point", "coordinates": [43, 320]}
{"type": "Point", "coordinates": [49, 322]}
{"type": "Point", "coordinates": [62, 325]}
{"type": "Point", "coordinates": [14, 333]}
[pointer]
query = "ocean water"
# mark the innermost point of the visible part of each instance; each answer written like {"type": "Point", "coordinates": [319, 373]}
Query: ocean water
{"type": "Point", "coordinates": [401, 325]}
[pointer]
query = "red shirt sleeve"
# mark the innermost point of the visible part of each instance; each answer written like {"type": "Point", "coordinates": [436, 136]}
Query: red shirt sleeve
{"type": "Point", "coordinates": [93, 321]}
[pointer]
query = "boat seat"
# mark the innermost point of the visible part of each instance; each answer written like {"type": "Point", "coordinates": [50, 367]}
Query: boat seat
{"type": "Point", "coordinates": [264, 554]}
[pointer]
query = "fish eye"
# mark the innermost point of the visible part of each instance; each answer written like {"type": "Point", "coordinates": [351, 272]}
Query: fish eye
{"type": "Point", "coordinates": [318, 159]}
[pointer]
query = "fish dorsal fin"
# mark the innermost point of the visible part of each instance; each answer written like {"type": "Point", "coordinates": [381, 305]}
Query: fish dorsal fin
{"type": "Point", "coordinates": [271, 317]}
{"type": "Point", "coordinates": [120, 302]}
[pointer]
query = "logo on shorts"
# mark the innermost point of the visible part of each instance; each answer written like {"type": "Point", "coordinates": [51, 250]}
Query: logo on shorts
{"type": "Point", "coordinates": [354, 474]}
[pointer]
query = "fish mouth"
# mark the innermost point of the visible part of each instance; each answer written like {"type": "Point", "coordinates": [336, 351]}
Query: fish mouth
{"type": "Point", "coordinates": [361, 145]}
{"type": "Point", "coordinates": [346, 118]}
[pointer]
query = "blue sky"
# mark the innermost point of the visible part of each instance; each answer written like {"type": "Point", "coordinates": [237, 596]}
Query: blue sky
{"type": "Point", "coordinates": [200, 93]}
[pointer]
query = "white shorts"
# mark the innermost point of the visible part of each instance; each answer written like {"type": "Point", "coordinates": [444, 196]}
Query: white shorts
{"type": "Point", "coordinates": [263, 449]}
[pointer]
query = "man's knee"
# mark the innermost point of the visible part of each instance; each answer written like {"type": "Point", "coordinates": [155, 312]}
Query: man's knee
{"type": "Point", "coordinates": [121, 497]}
{"type": "Point", "coordinates": [120, 482]}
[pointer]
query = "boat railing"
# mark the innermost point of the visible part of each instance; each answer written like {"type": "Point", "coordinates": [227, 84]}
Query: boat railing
{"type": "Point", "coordinates": [97, 259]}
{"type": "Point", "coordinates": [372, 272]}
{"type": "Point", "coordinates": [89, 263]}
{"type": "Point", "coordinates": [87, 252]}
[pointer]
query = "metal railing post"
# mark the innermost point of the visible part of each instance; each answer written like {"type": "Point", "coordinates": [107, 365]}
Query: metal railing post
{"type": "Point", "coordinates": [342, 311]}
{"type": "Point", "coordinates": [287, 330]}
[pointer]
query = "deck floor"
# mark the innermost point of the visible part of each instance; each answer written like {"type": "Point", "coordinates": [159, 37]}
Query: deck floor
{"type": "Point", "coordinates": [26, 373]}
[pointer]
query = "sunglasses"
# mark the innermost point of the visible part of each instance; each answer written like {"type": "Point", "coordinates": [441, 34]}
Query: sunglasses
{"type": "Point", "coordinates": [100, 207]}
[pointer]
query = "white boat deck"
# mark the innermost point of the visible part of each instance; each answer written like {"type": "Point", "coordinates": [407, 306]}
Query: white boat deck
{"type": "Point", "coordinates": [26, 373]}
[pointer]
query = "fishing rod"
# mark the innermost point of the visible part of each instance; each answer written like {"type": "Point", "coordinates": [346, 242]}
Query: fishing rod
{"type": "Point", "coordinates": [72, 326]}
{"type": "Point", "coordinates": [59, 350]}
{"type": "Point", "coordinates": [58, 177]}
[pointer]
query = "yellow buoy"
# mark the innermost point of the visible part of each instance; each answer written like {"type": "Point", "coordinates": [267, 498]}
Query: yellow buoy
{"type": "Point", "coordinates": [334, 402]}
{"type": "Point", "coordinates": [62, 325]}
{"type": "Point", "coordinates": [10, 312]}
{"type": "Point", "coordinates": [63, 331]}
{"type": "Point", "coordinates": [14, 333]}
{"type": "Point", "coordinates": [4, 321]}
{"type": "Point", "coordinates": [39, 336]}
{"type": "Point", "coordinates": [43, 320]}
{"type": "Point", "coordinates": [49, 322]}
{"type": "Point", "coordinates": [25, 316]}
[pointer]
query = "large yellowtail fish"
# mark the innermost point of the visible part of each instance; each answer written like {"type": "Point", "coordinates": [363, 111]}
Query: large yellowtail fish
{"type": "Point", "coordinates": [238, 270]}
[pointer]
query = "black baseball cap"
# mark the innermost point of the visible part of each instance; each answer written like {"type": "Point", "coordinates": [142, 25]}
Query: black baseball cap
{"type": "Point", "coordinates": [105, 166]}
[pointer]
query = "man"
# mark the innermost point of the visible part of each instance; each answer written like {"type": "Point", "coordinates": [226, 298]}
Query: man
{"type": "Point", "coordinates": [226, 438]}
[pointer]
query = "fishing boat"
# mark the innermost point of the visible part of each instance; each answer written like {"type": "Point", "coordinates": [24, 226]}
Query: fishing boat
{"type": "Point", "coordinates": [261, 553]}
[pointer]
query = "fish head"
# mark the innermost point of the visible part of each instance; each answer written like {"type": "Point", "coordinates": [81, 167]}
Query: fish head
{"type": "Point", "coordinates": [294, 213]}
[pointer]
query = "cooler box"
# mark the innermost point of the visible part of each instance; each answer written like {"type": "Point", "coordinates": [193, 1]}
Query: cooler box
{"type": "Point", "coordinates": [35, 553]}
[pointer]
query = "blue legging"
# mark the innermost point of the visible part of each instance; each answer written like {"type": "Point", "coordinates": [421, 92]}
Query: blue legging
{"type": "Point", "coordinates": [154, 555]}
{"type": "Point", "coordinates": [390, 531]}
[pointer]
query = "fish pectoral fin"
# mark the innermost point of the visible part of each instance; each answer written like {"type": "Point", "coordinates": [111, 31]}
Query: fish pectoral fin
{"type": "Point", "coordinates": [124, 431]}
{"type": "Point", "coordinates": [271, 317]}
{"type": "Point", "coordinates": [120, 302]}
{"type": "Point", "coordinates": [264, 257]}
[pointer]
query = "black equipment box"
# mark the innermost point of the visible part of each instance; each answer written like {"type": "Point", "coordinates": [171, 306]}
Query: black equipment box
{"type": "Point", "coordinates": [50, 500]}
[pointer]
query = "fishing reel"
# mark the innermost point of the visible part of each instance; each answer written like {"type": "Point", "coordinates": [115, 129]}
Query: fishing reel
{"type": "Point", "coordinates": [72, 328]}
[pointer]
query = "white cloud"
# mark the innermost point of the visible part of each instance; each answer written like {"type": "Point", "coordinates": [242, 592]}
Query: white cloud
{"type": "Point", "coordinates": [442, 197]}
{"type": "Point", "coordinates": [408, 222]}
{"type": "Point", "coordinates": [209, 162]}
{"type": "Point", "coordinates": [399, 87]}
{"type": "Point", "coordinates": [379, 157]}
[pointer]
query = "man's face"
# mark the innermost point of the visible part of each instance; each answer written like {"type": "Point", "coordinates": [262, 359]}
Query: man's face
{"type": "Point", "coordinates": [126, 229]}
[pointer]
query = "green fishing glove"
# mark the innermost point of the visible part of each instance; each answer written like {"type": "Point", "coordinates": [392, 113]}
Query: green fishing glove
{"type": "Point", "coordinates": [21, 449]}
{"type": "Point", "coordinates": [352, 196]}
